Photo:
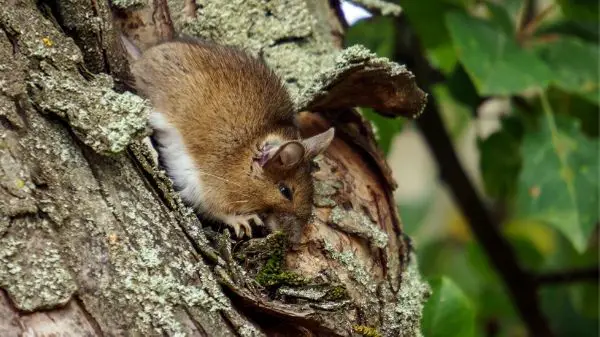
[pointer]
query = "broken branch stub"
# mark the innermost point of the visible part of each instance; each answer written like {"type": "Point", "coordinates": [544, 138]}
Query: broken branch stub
{"type": "Point", "coordinates": [360, 78]}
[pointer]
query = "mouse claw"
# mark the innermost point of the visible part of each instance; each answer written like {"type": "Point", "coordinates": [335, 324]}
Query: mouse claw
{"type": "Point", "coordinates": [257, 220]}
{"type": "Point", "coordinates": [241, 224]}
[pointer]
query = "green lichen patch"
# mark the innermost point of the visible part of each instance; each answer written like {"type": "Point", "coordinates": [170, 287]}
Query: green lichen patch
{"type": "Point", "coordinates": [31, 268]}
{"type": "Point", "coordinates": [159, 290]}
{"type": "Point", "coordinates": [103, 119]}
{"type": "Point", "coordinates": [327, 188]}
{"type": "Point", "coordinates": [410, 300]}
{"type": "Point", "coordinates": [366, 331]}
{"type": "Point", "coordinates": [252, 24]}
{"type": "Point", "coordinates": [354, 222]}
{"type": "Point", "coordinates": [324, 191]}
{"type": "Point", "coordinates": [355, 269]}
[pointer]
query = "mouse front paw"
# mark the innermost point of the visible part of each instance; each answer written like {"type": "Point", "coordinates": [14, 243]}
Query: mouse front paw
{"type": "Point", "coordinates": [241, 223]}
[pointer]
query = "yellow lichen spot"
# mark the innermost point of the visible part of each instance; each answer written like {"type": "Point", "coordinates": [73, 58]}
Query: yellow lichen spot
{"type": "Point", "coordinates": [20, 183]}
{"type": "Point", "coordinates": [112, 238]}
{"type": "Point", "coordinates": [47, 42]}
{"type": "Point", "coordinates": [366, 331]}
{"type": "Point", "coordinates": [535, 191]}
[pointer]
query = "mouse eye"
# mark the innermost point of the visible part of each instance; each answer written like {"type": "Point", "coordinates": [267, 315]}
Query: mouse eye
{"type": "Point", "coordinates": [285, 191]}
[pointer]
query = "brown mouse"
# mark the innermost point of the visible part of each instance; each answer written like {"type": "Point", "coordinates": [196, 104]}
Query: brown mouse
{"type": "Point", "coordinates": [225, 128]}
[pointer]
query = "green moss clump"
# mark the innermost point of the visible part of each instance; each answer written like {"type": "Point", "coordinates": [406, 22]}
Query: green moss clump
{"type": "Point", "coordinates": [366, 331]}
{"type": "Point", "coordinates": [336, 293]}
{"type": "Point", "coordinates": [272, 273]}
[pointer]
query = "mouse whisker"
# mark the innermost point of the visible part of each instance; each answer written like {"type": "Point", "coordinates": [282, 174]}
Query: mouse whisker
{"type": "Point", "coordinates": [220, 178]}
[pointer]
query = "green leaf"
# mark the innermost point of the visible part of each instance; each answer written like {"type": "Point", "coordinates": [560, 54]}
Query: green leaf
{"type": "Point", "coordinates": [385, 128]}
{"type": "Point", "coordinates": [580, 10]}
{"type": "Point", "coordinates": [558, 184]}
{"type": "Point", "coordinates": [501, 17]}
{"type": "Point", "coordinates": [529, 257]}
{"type": "Point", "coordinates": [448, 312]}
{"type": "Point", "coordinates": [461, 87]}
{"type": "Point", "coordinates": [585, 299]}
{"type": "Point", "coordinates": [499, 160]}
{"type": "Point", "coordinates": [491, 299]}
{"type": "Point", "coordinates": [566, 321]}
{"type": "Point", "coordinates": [493, 60]}
{"type": "Point", "coordinates": [583, 295]}
{"type": "Point", "coordinates": [568, 104]}
{"type": "Point", "coordinates": [587, 31]}
{"type": "Point", "coordinates": [575, 66]}
{"type": "Point", "coordinates": [377, 34]}
{"type": "Point", "coordinates": [456, 115]}
{"type": "Point", "coordinates": [427, 19]}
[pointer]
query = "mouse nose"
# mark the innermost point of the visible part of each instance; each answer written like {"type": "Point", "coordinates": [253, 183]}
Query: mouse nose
{"type": "Point", "coordinates": [280, 221]}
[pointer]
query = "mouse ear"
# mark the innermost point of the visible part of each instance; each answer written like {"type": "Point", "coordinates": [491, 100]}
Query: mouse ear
{"type": "Point", "coordinates": [315, 145]}
{"type": "Point", "coordinates": [285, 156]}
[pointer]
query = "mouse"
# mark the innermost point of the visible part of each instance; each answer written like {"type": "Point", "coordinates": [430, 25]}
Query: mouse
{"type": "Point", "coordinates": [226, 133]}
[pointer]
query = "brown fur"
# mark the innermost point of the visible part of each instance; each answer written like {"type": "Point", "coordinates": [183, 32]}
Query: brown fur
{"type": "Point", "coordinates": [225, 103]}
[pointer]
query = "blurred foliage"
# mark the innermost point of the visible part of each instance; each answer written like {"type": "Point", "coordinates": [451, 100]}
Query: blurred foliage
{"type": "Point", "coordinates": [448, 306]}
{"type": "Point", "coordinates": [540, 162]}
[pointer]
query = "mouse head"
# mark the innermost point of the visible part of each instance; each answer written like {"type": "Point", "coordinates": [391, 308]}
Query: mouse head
{"type": "Point", "coordinates": [282, 169]}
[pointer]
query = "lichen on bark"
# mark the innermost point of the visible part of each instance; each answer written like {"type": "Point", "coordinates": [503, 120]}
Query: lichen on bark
{"type": "Point", "coordinates": [105, 120]}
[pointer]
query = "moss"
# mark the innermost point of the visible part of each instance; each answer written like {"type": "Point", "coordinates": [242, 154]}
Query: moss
{"type": "Point", "coordinates": [366, 331]}
{"type": "Point", "coordinates": [336, 293]}
{"type": "Point", "coordinates": [272, 273]}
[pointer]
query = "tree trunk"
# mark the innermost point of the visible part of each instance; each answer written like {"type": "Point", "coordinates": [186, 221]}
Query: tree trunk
{"type": "Point", "coordinates": [93, 240]}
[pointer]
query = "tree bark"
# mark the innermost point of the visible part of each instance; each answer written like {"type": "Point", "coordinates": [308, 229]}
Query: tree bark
{"type": "Point", "coordinates": [93, 240]}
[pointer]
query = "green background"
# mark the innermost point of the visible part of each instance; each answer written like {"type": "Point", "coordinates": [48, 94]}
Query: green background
{"type": "Point", "coordinates": [538, 171]}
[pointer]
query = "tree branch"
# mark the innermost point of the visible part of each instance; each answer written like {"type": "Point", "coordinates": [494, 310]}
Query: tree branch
{"type": "Point", "coordinates": [590, 274]}
{"type": "Point", "coordinates": [520, 285]}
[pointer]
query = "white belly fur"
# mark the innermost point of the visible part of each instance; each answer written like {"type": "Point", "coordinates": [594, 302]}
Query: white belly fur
{"type": "Point", "coordinates": [178, 163]}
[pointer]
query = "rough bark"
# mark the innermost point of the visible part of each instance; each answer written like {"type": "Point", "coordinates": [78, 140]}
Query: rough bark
{"type": "Point", "coordinates": [93, 240]}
